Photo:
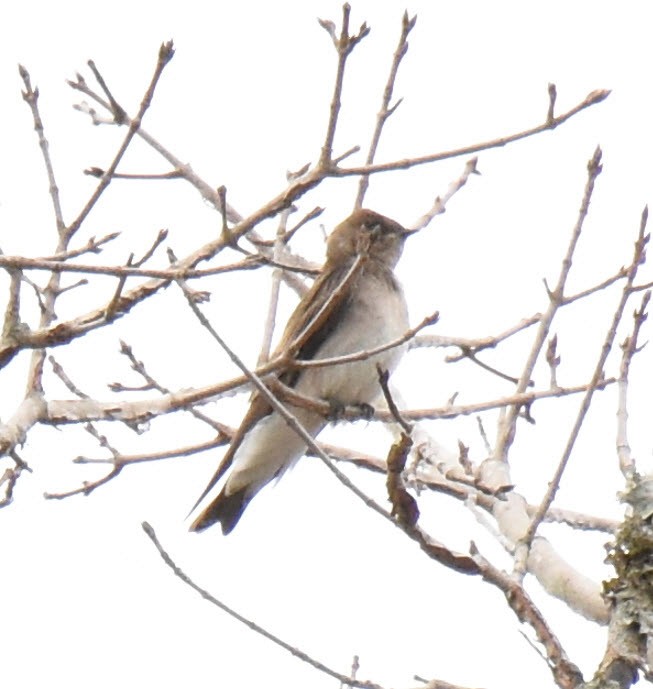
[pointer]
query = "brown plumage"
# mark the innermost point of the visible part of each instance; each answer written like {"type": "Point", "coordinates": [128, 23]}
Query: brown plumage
{"type": "Point", "coordinates": [345, 311]}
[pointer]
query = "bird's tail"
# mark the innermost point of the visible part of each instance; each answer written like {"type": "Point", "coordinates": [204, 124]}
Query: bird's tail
{"type": "Point", "coordinates": [226, 509]}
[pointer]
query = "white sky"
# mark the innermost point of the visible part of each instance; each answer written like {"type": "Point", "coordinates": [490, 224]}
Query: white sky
{"type": "Point", "coordinates": [86, 600]}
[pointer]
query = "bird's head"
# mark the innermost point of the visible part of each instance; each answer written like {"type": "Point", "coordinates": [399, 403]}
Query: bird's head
{"type": "Point", "coordinates": [369, 233]}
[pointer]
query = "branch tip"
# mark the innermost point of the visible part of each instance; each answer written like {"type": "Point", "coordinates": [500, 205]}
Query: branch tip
{"type": "Point", "coordinates": [408, 22]}
{"type": "Point", "coordinates": [329, 27]}
{"type": "Point", "coordinates": [166, 52]}
{"type": "Point", "coordinates": [597, 96]}
{"type": "Point", "coordinates": [553, 94]}
{"type": "Point", "coordinates": [594, 166]}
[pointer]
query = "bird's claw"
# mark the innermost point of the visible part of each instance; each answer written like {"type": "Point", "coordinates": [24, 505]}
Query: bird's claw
{"type": "Point", "coordinates": [366, 410]}
{"type": "Point", "coordinates": [337, 410]}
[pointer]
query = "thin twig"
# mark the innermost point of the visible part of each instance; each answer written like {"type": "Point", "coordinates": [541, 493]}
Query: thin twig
{"type": "Point", "coordinates": [440, 204]}
{"type": "Point", "coordinates": [311, 215]}
{"type": "Point", "coordinates": [384, 378]}
{"type": "Point", "coordinates": [166, 52]}
{"type": "Point", "coordinates": [119, 461]}
{"type": "Point", "coordinates": [385, 111]}
{"type": "Point", "coordinates": [344, 679]}
{"type": "Point", "coordinates": [58, 370]}
{"type": "Point", "coordinates": [119, 114]}
{"type": "Point", "coordinates": [591, 99]}
{"type": "Point", "coordinates": [180, 169]}
{"type": "Point", "coordinates": [629, 349]}
{"type": "Point", "coordinates": [99, 172]}
{"type": "Point", "coordinates": [275, 284]}
{"type": "Point", "coordinates": [153, 384]}
{"type": "Point", "coordinates": [344, 44]}
{"type": "Point", "coordinates": [167, 274]}
{"type": "Point", "coordinates": [491, 341]}
{"type": "Point", "coordinates": [184, 451]}
{"type": "Point", "coordinates": [507, 427]}
{"type": "Point", "coordinates": [112, 307]}
{"type": "Point", "coordinates": [638, 259]}
{"type": "Point", "coordinates": [475, 344]}
{"type": "Point", "coordinates": [92, 246]}
{"type": "Point", "coordinates": [31, 96]}
{"type": "Point", "coordinates": [470, 355]}
{"type": "Point", "coordinates": [161, 236]}
{"type": "Point", "coordinates": [52, 290]}
{"type": "Point", "coordinates": [87, 487]}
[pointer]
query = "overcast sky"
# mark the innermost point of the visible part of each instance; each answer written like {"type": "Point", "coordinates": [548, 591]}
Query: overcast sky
{"type": "Point", "coordinates": [86, 600]}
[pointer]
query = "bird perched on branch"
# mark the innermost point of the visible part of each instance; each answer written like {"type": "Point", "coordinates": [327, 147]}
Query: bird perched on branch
{"type": "Point", "coordinates": [355, 304]}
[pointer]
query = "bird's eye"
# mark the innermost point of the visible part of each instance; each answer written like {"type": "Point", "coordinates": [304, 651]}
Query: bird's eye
{"type": "Point", "coordinates": [372, 226]}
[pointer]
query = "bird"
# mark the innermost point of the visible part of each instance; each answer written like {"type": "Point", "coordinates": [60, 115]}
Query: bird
{"type": "Point", "coordinates": [356, 303]}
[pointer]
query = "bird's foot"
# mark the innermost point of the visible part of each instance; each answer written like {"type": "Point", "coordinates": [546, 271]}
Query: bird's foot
{"type": "Point", "coordinates": [366, 410]}
{"type": "Point", "coordinates": [337, 410]}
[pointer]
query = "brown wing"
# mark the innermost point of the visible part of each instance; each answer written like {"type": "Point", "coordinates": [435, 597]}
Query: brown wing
{"type": "Point", "coordinates": [317, 315]}
{"type": "Point", "coordinates": [312, 321]}
{"type": "Point", "coordinates": [258, 409]}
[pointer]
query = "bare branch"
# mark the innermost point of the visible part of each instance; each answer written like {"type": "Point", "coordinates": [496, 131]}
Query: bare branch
{"type": "Point", "coordinates": [592, 99]}
{"type": "Point", "coordinates": [344, 44]}
{"type": "Point", "coordinates": [180, 169]}
{"type": "Point", "coordinates": [629, 349]}
{"type": "Point", "coordinates": [92, 246]}
{"type": "Point", "coordinates": [638, 259]}
{"type": "Point", "coordinates": [167, 274]}
{"type": "Point", "coordinates": [76, 411]}
{"type": "Point", "coordinates": [565, 673]}
{"type": "Point", "coordinates": [183, 451]}
{"type": "Point", "coordinates": [64, 378]}
{"type": "Point", "coordinates": [273, 301]}
{"type": "Point", "coordinates": [344, 679]}
{"type": "Point", "coordinates": [31, 97]}
{"type": "Point", "coordinates": [112, 308]}
{"type": "Point", "coordinates": [475, 345]}
{"type": "Point", "coordinates": [166, 53]}
{"type": "Point", "coordinates": [88, 486]}
{"type": "Point", "coordinates": [384, 378]}
{"type": "Point", "coordinates": [119, 114]}
{"type": "Point", "coordinates": [507, 428]}
{"type": "Point", "coordinates": [385, 110]}
{"type": "Point", "coordinates": [440, 203]}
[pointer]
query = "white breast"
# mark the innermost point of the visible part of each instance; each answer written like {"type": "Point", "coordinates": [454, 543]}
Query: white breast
{"type": "Point", "coordinates": [376, 315]}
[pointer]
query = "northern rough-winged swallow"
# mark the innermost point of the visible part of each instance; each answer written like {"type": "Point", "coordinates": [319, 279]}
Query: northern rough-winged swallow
{"type": "Point", "coordinates": [367, 309]}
